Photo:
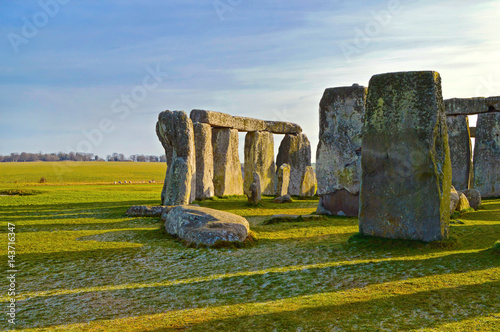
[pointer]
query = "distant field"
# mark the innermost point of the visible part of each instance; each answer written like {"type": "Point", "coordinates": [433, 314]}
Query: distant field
{"type": "Point", "coordinates": [81, 172]}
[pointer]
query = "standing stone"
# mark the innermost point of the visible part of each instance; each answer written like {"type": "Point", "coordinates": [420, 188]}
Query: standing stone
{"type": "Point", "coordinates": [460, 150]}
{"type": "Point", "coordinates": [308, 186]}
{"type": "Point", "coordinates": [254, 193]}
{"type": "Point", "coordinates": [487, 155]}
{"type": "Point", "coordinates": [259, 157]}
{"type": "Point", "coordinates": [406, 168]}
{"type": "Point", "coordinates": [283, 180]}
{"type": "Point", "coordinates": [338, 157]}
{"type": "Point", "coordinates": [204, 160]}
{"type": "Point", "coordinates": [227, 167]}
{"type": "Point", "coordinates": [295, 150]}
{"type": "Point", "coordinates": [175, 132]}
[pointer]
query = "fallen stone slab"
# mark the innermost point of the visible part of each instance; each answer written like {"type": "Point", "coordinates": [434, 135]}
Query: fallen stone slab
{"type": "Point", "coordinates": [283, 199]}
{"type": "Point", "coordinates": [204, 226]}
{"type": "Point", "coordinates": [147, 211]}
{"type": "Point", "coordinates": [277, 218]}
{"type": "Point", "coordinates": [218, 119]}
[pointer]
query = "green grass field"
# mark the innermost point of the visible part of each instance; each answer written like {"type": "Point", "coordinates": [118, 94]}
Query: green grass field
{"type": "Point", "coordinates": [84, 266]}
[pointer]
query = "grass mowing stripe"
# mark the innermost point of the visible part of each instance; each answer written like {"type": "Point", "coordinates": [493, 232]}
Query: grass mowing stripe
{"type": "Point", "coordinates": [188, 317]}
{"type": "Point", "coordinates": [57, 292]}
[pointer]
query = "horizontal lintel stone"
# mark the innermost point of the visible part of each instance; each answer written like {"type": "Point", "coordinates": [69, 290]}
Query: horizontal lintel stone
{"type": "Point", "coordinates": [471, 106]}
{"type": "Point", "coordinates": [218, 119]}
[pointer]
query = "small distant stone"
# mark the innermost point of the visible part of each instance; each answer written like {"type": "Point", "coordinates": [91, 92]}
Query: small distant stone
{"type": "Point", "coordinates": [277, 218]}
{"type": "Point", "coordinates": [474, 197]}
{"type": "Point", "coordinates": [147, 211]}
{"type": "Point", "coordinates": [283, 199]}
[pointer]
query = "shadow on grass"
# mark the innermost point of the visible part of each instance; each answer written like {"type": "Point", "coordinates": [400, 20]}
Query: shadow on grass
{"type": "Point", "coordinates": [419, 310]}
{"type": "Point", "coordinates": [272, 286]}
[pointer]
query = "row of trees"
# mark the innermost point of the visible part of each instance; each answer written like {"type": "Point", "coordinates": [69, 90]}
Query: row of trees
{"type": "Point", "coordinates": [77, 156]}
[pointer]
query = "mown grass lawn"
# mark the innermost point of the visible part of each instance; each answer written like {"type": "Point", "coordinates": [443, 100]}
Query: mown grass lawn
{"type": "Point", "coordinates": [84, 266]}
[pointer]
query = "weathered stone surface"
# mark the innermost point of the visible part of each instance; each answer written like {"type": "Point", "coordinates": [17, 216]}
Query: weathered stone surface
{"type": "Point", "coordinates": [493, 103]}
{"type": "Point", "coordinates": [283, 199]}
{"type": "Point", "coordinates": [338, 157]}
{"type": "Point", "coordinates": [308, 186]}
{"type": "Point", "coordinates": [474, 198]}
{"type": "Point", "coordinates": [218, 119]}
{"type": "Point", "coordinates": [465, 106]}
{"type": "Point", "coordinates": [147, 211]}
{"type": "Point", "coordinates": [460, 150]}
{"type": "Point", "coordinates": [227, 168]}
{"type": "Point", "coordinates": [175, 132]}
{"type": "Point", "coordinates": [259, 157]}
{"type": "Point", "coordinates": [295, 150]}
{"type": "Point", "coordinates": [487, 155]}
{"type": "Point", "coordinates": [463, 202]}
{"type": "Point", "coordinates": [283, 180]}
{"type": "Point", "coordinates": [254, 193]}
{"type": "Point", "coordinates": [205, 226]}
{"type": "Point", "coordinates": [406, 168]}
{"type": "Point", "coordinates": [204, 160]}
{"type": "Point", "coordinates": [454, 199]}
{"type": "Point", "coordinates": [341, 203]}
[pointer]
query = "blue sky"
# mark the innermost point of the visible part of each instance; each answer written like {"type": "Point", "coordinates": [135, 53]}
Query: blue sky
{"type": "Point", "coordinates": [93, 75]}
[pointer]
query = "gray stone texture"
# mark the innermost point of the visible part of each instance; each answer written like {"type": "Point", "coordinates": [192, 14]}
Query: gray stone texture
{"type": "Point", "coordinates": [204, 160]}
{"type": "Point", "coordinates": [254, 193]}
{"type": "Point", "coordinates": [283, 199]}
{"type": "Point", "coordinates": [295, 150]}
{"type": "Point", "coordinates": [175, 132]}
{"type": "Point", "coordinates": [470, 106]}
{"type": "Point", "coordinates": [338, 157]}
{"type": "Point", "coordinates": [460, 150]}
{"type": "Point", "coordinates": [259, 157]}
{"type": "Point", "coordinates": [487, 155]}
{"type": "Point", "coordinates": [308, 185]}
{"type": "Point", "coordinates": [227, 168]}
{"type": "Point", "coordinates": [218, 119]}
{"type": "Point", "coordinates": [474, 198]}
{"type": "Point", "coordinates": [341, 203]}
{"type": "Point", "coordinates": [147, 211]}
{"type": "Point", "coordinates": [406, 168]}
{"type": "Point", "coordinates": [205, 226]}
{"type": "Point", "coordinates": [283, 176]}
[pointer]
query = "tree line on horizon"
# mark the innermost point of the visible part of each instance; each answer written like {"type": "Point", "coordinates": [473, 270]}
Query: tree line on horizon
{"type": "Point", "coordinates": [78, 156]}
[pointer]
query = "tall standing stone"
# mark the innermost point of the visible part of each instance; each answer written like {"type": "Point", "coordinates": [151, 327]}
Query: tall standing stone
{"type": "Point", "coordinates": [460, 150]}
{"type": "Point", "coordinates": [283, 180]}
{"type": "Point", "coordinates": [175, 132]}
{"type": "Point", "coordinates": [259, 157]}
{"type": "Point", "coordinates": [338, 157]}
{"type": "Point", "coordinates": [487, 155]}
{"type": "Point", "coordinates": [204, 160]}
{"type": "Point", "coordinates": [406, 168]}
{"type": "Point", "coordinates": [295, 150]}
{"type": "Point", "coordinates": [227, 168]}
{"type": "Point", "coordinates": [308, 185]}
